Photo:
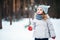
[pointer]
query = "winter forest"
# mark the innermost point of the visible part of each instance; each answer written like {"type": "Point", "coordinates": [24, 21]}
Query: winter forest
{"type": "Point", "coordinates": [15, 14]}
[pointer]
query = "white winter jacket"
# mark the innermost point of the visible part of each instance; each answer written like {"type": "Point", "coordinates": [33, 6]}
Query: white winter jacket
{"type": "Point", "coordinates": [43, 28]}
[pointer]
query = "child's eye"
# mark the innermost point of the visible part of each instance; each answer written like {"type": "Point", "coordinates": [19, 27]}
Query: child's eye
{"type": "Point", "coordinates": [41, 10]}
{"type": "Point", "coordinates": [38, 9]}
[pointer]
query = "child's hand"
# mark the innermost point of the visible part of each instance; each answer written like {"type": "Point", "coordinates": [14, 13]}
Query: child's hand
{"type": "Point", "coordinates": [53, 37]}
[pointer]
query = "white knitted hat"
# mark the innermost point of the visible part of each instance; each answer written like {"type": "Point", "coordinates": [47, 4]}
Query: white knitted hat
{"type": "Point", "coordinates": [44, 7]}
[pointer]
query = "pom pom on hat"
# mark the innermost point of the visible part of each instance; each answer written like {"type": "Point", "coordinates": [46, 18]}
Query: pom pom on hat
{"type": "Point", "coordinates": [44, 8]}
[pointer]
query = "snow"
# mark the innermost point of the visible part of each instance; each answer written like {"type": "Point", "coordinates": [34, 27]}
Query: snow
{"type": "Point", "coordinates": [17, 31]}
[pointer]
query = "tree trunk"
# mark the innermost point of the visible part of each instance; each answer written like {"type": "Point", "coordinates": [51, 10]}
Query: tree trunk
{"type": "Point", "coordinates": [0, 15]}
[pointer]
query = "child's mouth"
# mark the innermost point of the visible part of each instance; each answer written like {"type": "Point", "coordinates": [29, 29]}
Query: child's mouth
{"type": "Point", "coordinates": [39, 13]}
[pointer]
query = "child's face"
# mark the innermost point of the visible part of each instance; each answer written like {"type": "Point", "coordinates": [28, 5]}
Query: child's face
{"type": "Point", "coordinates": [39, 10]}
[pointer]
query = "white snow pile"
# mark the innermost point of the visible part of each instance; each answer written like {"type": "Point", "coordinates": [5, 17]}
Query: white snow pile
{"type": "Point", "coordinates": [17, 31]}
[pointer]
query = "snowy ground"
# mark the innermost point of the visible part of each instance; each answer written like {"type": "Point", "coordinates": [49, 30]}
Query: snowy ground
{"type": "Point", "coordinates": [17, 31]}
